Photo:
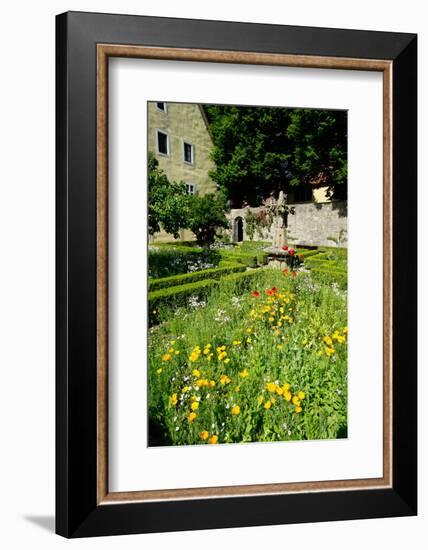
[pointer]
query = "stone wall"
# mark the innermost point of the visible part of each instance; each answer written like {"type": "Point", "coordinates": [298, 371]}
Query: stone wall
{"type": "Point", "coordinates": [182, 122]}
{"type": "Point", "coordinates": [313, 224]}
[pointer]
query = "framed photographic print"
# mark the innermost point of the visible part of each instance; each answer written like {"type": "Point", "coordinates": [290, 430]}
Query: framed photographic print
{"type": "Point", "coordinates": [236, 274]}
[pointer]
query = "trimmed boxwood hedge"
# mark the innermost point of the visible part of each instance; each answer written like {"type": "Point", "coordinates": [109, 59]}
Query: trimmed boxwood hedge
{"type": "Point", "coordinates": [308, 253]}
{"type": "Point", "coordinates": [248, 259]}
{"type": "Point", "coordinates": [177, 296]}
{"type": "Point", "coordinates": [244, 280]}
{"type": "Point", "coordinates": [332, 275]}
{"type": "Point", "coordinates": [186, 278]}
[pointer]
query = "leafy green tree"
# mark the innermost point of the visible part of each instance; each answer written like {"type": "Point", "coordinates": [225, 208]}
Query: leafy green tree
{"type": "Point", "coordinates": [319, 149]}
{"type": "Point", "coordinates": [168, 201]}
{"type": "Point", "coordinates": [207, 216]}
{"type": "Point", "coordinates": [260, 150]}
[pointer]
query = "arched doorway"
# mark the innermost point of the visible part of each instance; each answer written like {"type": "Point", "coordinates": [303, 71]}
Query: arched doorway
{"type": "Point", "coordinates": [238, 229]}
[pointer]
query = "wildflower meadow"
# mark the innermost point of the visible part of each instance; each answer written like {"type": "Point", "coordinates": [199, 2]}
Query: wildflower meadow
{"type": "Point", "coordinates": [260, 356]}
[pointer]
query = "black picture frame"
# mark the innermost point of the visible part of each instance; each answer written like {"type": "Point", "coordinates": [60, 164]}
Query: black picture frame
{"type": "Point", "coordinates": [78, 513]}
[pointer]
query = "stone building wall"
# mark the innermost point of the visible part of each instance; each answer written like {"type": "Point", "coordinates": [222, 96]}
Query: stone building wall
{"type": "Point", "coordinates": [182, 122]}
{"type": "Point", "coordinates": [312, 224]}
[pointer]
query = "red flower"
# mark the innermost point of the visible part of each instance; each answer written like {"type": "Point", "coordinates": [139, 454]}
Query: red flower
{"type": "Point", "coordinates": [285, 247]}
{"type": "Point", "coordinates": [285, 271]}
{"type": "Point", "coordinates": [291, 251]}
{"type": "Point", "coordinates": [255, 294]}
{"type": "Point", "coordinates": [294, 273]}
{"type": "Point", "coordinates": [271, 291]}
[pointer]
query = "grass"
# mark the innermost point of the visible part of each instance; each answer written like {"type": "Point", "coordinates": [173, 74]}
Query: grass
{"type": "Point", "coordinates": [239, 368]}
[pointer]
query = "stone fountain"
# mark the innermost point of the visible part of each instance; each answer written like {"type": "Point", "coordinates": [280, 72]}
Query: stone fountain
{"type": "Point", "coordinates": [278, 256]}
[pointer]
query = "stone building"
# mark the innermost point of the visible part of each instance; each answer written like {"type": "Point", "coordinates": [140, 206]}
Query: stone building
{"type": "Point", "coordinates": [179, 137]}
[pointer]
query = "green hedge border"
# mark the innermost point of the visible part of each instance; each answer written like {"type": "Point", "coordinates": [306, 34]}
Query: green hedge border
{"type": "Point", "coordinates": [339, 277]}
{"type": "Point", "coordinates": [186, 278]}
{"type": "Point", "coordinates": [177, 296]}
{"type": "Point", "coordinates": [242, 280]}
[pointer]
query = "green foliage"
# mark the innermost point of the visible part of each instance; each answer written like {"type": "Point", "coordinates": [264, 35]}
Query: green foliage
{"type": "Point", "coordinates": [319, 143]}
{"type": "Point", "coordinates": [250, 224]}
{"type": "Point", "coordinates": [257, 222]}
{"type": "Point", "coordinates": [243, 281]}
{"type": "Point", "coordinates": [207, 216]}
{"type": "Point", "coordinates": [331, 275]}
{"type": "Point", "coordinates": [166, 261]}
{"type": "Point", "coordinates": [258, 354]}
{"type": "Point", "coordinates": [248, 259]}
{"type": "Point", "coordinates": [261, 150]}
{"type": "Point", "coordinates": [163, 301]}
{"type": "Point", "coordinates": [168, 206]}
{"type": "Point", "coordinates": [213, 273]}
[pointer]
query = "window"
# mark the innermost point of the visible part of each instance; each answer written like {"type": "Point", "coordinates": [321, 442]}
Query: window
{"type": "Point", "coordinates": [162, 142]}
{"type": "Point", "coordinates": [161, 106]}
{"type": "Point", "coordinates": [188, 152]}
{"type": "Point", "coordinates": [190, 188]}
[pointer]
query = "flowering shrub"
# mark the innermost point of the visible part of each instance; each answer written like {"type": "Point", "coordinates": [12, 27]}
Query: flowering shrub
{"type": "Point", "coordinates": [272, 369]}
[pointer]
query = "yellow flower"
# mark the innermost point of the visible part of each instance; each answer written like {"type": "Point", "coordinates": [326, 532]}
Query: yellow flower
{"type": "Point", "coordinates": [271, 319]}
{"type": "Point", "coordinates": [158, 371]}
{"type": "Point", "coordinates": [173, 399]}
{"type": "Point", "coordinates": [301, 395]}
{"type": "Point", "coordinates": [286, 387]}
{"type": "Point", "coordinates": [279, 346]}
{"type": "Point", "coordinates": [194, 406]}
{"type": "Point", "coordinates": [213, 439]}
{"type": "Point", "coordinates": [185, 389]}
{"type": "Point", "coordinates": [176, 352]}
{"type": "Point", "coordinates": [287, 395]}
{"type": "Point", "coordinates": [227, 360]}
{"type": "Point", "coordinates": [329, 351]}
{"type": "Point", "coordinates": [260, 399]}
{"type": "Point", "coordinates": [279, 391]}
{"type": "Point", "coordinates": [328, 341]}
{"type": "Point", "coordinates": [249, 340]}
{"type": "Point", "coordinates": [193, 357]}
{"type": "Point", "coordinates": [271, 387]}
{"type": "Point", "coordinates": [166, 357]}
{"type": "Point", "coordinates": [202, 383]}
{"type": "Point", "coordinates": [296, 401]}
{"type": "Point", "coordinates": [171, 350]}
{"type": "Point", "coordinates": [268, 405]}
{"type": "Point", "coordinates": [196, 373]}
{"type": "Point", "coordinates": [236, 342]}
{"type": "Point", "coordinates": [298, 409]}
{"type": "Point", "coordinates": [212, 383]}
{"type": "Point", "coordinates": [222, 355]}
{"type": "Point", "coordinates": [236, 409]}
{"type": "Point", "coordinates": [237, 388]}
{"type": "Point", "coordinates": [191, 417]}
{"type": "Point", "coordinates": [345, 330]}
{"type": "Point", "coordinates": [224, 379]}
{"type": "Point", "coordinates": [204, 435]}
{"type": "Point", "coordinates": [248, 330]}
{"type": "Point", "coordinates": [244, 373]}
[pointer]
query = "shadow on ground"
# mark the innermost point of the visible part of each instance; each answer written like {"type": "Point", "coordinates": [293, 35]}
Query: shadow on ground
{"type": "Point", "coordinates": [45, 522]}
